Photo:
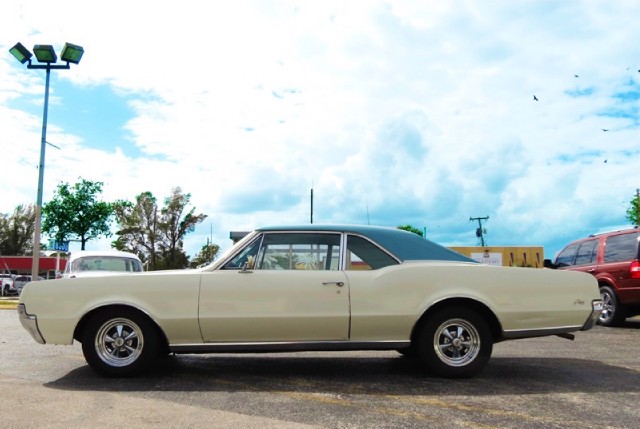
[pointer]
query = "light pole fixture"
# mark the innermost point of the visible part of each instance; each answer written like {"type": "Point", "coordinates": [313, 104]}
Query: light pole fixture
{"type": "Point", "coordinates": [46, 55]}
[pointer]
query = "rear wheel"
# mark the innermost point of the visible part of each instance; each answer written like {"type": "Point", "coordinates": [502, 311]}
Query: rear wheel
{"type": "Point", "coordinates": [119, 343]}
{"type": "Point", "coordinates": [613, 313]}
{"type": "Point", "coordinates": [455, 342]}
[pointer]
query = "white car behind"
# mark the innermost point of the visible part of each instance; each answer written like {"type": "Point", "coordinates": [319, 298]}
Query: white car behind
{"type": "Point", "coordinates": [89, 263]}
{"type": "Point", "coordinates": [20, 281]}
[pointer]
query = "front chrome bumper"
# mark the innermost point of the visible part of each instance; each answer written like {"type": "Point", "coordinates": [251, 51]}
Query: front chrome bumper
{"type": "Point", "coordinates": [597, 307]}
{"type": "Point", "coordinates": [30, 323]}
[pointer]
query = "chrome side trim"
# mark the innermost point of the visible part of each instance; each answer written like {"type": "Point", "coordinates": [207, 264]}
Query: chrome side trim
{"type": "Point", "coordinates": [531, 333]}
{"type": "Point", "coordinates": [288, 346]}
{"type": "Point", "coordinates": [30, 323]}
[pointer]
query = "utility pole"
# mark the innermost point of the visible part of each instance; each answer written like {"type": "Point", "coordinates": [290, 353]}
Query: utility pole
{"type": "Point", "coordinates": [480, 231]}
{"type": "Point", "coordinates": [312, 203]}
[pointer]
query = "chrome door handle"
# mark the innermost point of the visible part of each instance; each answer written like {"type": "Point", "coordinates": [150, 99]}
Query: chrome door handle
{"type": "Point", "coordinates": [339, 284]}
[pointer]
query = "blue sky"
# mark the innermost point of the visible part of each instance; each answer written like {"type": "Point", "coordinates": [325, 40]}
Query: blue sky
{"type": "Point", "coordinates": [395, 112]}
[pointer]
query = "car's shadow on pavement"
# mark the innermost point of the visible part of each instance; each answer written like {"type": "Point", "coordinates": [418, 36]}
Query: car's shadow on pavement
{"type": "Point", "coordinates": [632, 323]}
{"type": "Point", "coordinates": [364, 375]}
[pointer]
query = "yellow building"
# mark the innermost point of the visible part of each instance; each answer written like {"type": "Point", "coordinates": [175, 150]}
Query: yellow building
{"type": "Point", "coordinates": [505, 256]}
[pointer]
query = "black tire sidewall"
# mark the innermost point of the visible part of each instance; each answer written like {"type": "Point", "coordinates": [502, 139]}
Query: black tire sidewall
{"type": "Point", "coordinates": [430, 359]}
{"type": "Point", "coordinates": [137, 367]}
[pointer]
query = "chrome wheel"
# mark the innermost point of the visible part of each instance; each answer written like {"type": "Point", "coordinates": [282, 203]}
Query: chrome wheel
{"type": "Point", "coordinates": [614, 311]}
{"type": "Point", "coordinates": [456, 342]}
{"type": "Point", "coordinates": [609, 306]}
{"type": "Point", "coordinates": [119, 342]}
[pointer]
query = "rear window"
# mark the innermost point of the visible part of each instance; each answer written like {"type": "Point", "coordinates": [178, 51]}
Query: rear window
{"type": "Point", "coordinates": [364, 255]}
{"type": "Point", "coordinates": [622, 247]}
{"type": "Point", "coordinates": [105, 263]}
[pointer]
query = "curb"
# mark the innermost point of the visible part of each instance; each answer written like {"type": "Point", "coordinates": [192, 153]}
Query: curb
{"type": "Point", "coordinates": [8, 303]}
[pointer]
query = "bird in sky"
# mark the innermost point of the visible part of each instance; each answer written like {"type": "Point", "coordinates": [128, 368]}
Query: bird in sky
{"type": "Point", "coordinates": [605, 130]}
{"type": "Point", "coordinates": [535, 98]}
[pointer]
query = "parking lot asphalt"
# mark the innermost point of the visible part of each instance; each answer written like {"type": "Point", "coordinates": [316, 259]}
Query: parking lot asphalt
{"type": "Point", "coordinates": [592, 382]}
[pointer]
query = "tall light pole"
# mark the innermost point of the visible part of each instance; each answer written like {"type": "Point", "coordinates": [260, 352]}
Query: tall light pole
{"type": "Point", "coordinates": [46, 55]}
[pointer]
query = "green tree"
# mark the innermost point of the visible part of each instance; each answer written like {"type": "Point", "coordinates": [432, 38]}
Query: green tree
{"type": "Point", "coordinates": [156, 234]}
{"type": "Point", "coordinates": [138, 228]}
{"type": "Point", "coordinates": [411, 229]}
{"type": "Point", "coordinates": [206, 256]}
{"type": "Point", "coordinates": [632, 211]}
{"type": "Point", "coordinates": [76, 212]}
{"type": "Point", "coordinates": [16, 231]}
{"type": "Point", "coordinates": [175, 223]}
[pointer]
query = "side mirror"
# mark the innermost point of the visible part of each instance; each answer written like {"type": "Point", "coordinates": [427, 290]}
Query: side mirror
{"type": "Point", "coordinates": [548, 264]}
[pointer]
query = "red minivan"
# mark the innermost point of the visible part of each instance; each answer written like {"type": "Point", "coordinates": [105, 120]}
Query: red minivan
{"type": "Point", "coordinates": [614, 259]}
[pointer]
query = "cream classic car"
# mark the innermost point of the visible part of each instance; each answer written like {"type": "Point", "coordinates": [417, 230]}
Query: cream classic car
{"type": "Point", "coordinates": [313, 288]}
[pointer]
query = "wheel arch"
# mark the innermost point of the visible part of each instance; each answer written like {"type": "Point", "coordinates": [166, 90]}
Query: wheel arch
{"type": "Point", "coordinates": [82, 323]}
{"type": "Point", "coordinates": [477, 306]}
{"type": "Point", "coordinates": [604, 281]}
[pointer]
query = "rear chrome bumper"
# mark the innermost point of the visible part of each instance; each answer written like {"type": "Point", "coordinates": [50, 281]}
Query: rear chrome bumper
{"type": "Point", "coordinates": [30, 323]}
{"type": "Point", "coordinates": [597, 306]}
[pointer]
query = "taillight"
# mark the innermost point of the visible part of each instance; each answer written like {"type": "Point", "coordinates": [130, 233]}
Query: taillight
{"type": "Point", "coordinates": [635, 269]}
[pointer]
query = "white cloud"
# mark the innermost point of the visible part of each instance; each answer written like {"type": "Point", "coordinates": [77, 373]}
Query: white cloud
{"type": "Point", "coordinates": [398, 112]}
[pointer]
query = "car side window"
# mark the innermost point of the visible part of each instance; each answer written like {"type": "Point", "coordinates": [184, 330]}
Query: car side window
{"type": "Point", "coordinates": [364, 255]}
{"type": "Point", "coordinates": [246, 256]}
{"type": "Point", "coordinates": [567, 256]}
{"type": "Point", "coordinates": [299, 251]}
{"type": "Point", "coordinates": [621, 247]}
{"type": "Point", "coordinates": [587, 252]}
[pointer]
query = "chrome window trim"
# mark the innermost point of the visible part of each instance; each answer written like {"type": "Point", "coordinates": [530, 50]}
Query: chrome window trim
{"type": "Point", "coordinates": [327, 232]}
{"type": "Point", "coordinates": [249, 238]}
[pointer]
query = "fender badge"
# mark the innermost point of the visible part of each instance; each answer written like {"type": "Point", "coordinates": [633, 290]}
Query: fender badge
{"type": "Point", "coordinates": [578, 302]}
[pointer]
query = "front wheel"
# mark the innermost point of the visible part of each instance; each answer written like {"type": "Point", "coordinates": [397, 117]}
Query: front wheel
{"type": "Point", "coordinates": [455, 342]}
{"type": "Point", "coordinates": [119, 343]}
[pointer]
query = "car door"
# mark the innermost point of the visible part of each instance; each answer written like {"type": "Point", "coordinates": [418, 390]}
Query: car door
{"type": "Point", "coordinates": [289, 290]}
